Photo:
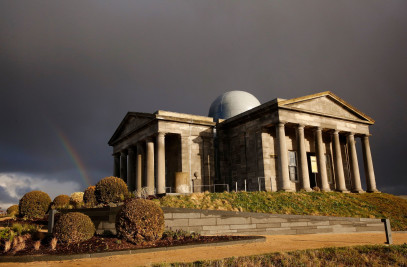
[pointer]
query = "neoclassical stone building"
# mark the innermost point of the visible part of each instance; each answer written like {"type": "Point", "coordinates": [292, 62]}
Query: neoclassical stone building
{"type": "Point", "coordinates": [286, 145]}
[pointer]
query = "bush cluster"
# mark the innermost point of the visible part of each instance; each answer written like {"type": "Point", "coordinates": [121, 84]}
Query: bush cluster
{"type": "Point", "coordinates": [34, 204]}
{"type": "Point", "coordinates": [61, 202]}
{"type": "Point", "coordinates": [139, 221]}
{"type": "Point", "coordinates": [12, 210]}
{"type": "Point", "coordinates": [74, 227]}
{"type": "Point", "coordinates": [111, 189]}
{"type": "Point", "coordinates": [89, 196]}
{"type": "Point", "coordinates": [76, 199]}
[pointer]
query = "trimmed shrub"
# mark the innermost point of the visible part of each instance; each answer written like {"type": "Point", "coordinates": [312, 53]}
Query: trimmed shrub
{"type": "Point", "coordinates": [139, 221]}
{"type": "Point", "coordinates": [61, 202]}
{"type": "Point", "coordinates": [34, 204]}
{"type": "Point", "coordinates": [89, 196]}
{"type": "Point", "coordinates": [74, 227]}
{"type": "Point", "coordinates": [111, 189]}
{"type": "Point", "coordinates": [12, 210]}
{"type": "Point", "coordinates": [76, 199]}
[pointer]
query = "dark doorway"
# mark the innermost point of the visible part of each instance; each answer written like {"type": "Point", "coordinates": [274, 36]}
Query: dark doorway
{"type": "Point", "coordinates": [312, 175]}
{"type": "Point", "coordinates": [173, 161]}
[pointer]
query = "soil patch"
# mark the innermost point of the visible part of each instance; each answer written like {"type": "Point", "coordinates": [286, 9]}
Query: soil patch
{"type": "Point", "coordinates": [100, 243]}
{"type": "Point", "coordinates": [8, 222]}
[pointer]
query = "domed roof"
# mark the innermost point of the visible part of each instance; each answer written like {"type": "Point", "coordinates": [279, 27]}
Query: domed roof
{"type": "Point", "coordinates": [232, 103]}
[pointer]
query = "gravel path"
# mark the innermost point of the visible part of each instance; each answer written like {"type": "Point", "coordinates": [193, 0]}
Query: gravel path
{"type": "Point", "coordinates": [273, 244]}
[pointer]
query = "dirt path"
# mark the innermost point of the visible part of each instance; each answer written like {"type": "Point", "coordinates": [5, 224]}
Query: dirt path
{"type": "Point", "coordinates": [272, 244]}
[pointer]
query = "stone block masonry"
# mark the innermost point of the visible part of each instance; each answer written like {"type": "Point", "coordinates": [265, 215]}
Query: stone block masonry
{"type": "Point", "coordinates": [215, 222]}
{"type": "Point", "coordinates": [210, 222]}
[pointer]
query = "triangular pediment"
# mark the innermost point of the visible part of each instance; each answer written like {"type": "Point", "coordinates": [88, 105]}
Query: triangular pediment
{"type": "Point", "coordinates": [327, 103]}
{"type": "Point", "coordinates": [131, 122]}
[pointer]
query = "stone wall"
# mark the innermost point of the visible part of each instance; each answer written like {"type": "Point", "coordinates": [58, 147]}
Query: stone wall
{"type": "Point", "coordinates": [210, 222]}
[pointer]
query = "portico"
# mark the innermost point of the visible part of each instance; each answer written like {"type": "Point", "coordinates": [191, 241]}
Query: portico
{"type": "Point", "coordinates": [140, 148]}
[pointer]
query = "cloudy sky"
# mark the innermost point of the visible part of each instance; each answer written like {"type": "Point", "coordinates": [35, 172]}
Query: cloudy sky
{"type": "Point", "coordinates": [70, 70]}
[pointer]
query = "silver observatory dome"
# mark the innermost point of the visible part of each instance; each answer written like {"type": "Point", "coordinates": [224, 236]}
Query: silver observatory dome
{"type": "Point", "coordinates": [231, 104]}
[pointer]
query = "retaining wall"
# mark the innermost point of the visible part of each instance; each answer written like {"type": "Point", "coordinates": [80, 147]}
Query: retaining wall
{"type": "Point", "coordinates": [210, 222]}
{"type": "Point", "coordinates": [248, 223]}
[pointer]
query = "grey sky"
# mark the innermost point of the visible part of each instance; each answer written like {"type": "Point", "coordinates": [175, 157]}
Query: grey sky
{"type": "Point", "coordinates": [76, 68]}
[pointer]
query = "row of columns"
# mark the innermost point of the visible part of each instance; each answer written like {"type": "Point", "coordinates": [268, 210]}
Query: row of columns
{"type": "Point", "coordinates": [128, 165]}
{"type": "Point", "coordinates": [321, 161]}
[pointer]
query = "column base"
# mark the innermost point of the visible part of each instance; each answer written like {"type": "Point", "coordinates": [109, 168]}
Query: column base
{"type": "Point", "coordinates": [326, 190]}
{"type": "Point", "coordinates": [373, 191]}
{"type": "Point", "coordinates": [343, 191]}
{"type": "Point", "coordinates": [307, 189]}
{"type": "Point", "coordinates": [359, 191]}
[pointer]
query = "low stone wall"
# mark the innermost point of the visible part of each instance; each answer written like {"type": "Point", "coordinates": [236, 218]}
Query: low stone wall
{"type": "Point", "coordinates": [212, 222]}
{"type": "Point", "coordinates": [103, 218]}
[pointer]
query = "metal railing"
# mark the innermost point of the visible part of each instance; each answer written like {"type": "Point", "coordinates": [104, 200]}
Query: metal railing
{"type": "Point", "coordinates": [260, 185]}
{"type": "Point", "coordinates": [211, 188]}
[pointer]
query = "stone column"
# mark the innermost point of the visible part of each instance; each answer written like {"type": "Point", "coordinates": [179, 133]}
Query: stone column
{"type": "Point", "coordinates": [338, 164]}
{"type": "Point", "coordinates": [368, 164]}
{"type": "Point", "coordinates": [283, 173]}
{"type": "Point", "coordinates": [139, 175]}
{"type": "Point", "coordinates": [304, 174]}
{"type": "Point", "coordinates": [123, 165]}
{"type": "Point", "coordinates": [131, 169]}
{"type": "Point", "coordinates": [321, 161]}
{"type": "Point", "coordinates": [161, 163]}
{"type": "Point", "coordinates": [116, 165]}
{"type": "Point", "coordinates": [354, 166]}
{"type": "Point", "coordinates": [150, 166]}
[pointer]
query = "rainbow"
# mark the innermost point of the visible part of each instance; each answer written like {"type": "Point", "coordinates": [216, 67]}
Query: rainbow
{"type": "Point", "coordinates": [74, 157]}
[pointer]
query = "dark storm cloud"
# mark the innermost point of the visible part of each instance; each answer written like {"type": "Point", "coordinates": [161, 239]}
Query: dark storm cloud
{"type": "Point", "coordinates": [5, 197]}
{"type": "Point", "coordinates": [76, 68]}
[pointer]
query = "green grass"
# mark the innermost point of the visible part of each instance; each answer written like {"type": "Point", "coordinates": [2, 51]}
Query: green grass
{"type": "Point", "coordinates": [379, 255]}
{"type": "Point", "coordinates": [377, 205]}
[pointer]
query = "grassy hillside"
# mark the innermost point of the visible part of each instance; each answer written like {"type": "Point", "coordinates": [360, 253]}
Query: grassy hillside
{"type": "Point", "coordinates": [395, 255]}
{"type": "Point", "coordinates": [302, 203]}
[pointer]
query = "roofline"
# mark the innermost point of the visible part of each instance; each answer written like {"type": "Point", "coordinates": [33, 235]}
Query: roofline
{"type": "Point", "coordinates": [128, 114]}
{"type": "Point", "coordinates": [327, 93]}
{"type": "Point", "coordinates": [280, 103]}
{"type": "Point", "coordinates": [163, 116]}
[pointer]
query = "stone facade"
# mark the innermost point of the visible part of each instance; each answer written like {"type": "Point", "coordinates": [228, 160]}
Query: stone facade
{"type": "Point", "coordinates": [288, 145]}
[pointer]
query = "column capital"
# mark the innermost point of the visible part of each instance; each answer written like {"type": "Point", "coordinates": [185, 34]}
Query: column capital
{"type": "Point", "coordinates": [149, 139]}
{"type": "Point", "coordinates": [301, 126]}
{"type": "Point", "coordinates": [350, 134]}
{"type": "Point", "coordinates": [161, 134]}
{"type": "Point", "coordinates": [335, 132]}
{"type": "Point", "coordinates": [318, 128]}
{"type": "Point", "coordinates": [123, 152]}
{"type": "Point", "coordinates": [130, 149]}
{"type": "Point", "coordinates": [281, 123]}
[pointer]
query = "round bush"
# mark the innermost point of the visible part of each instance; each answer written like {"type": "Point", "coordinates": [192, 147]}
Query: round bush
{"type": "Point", "coordinates": [61, 202]}
{"type": "Point", "coordinates": [74, 227]}
{"type": "Point", "coordinates": [12, 210]}
{"type": "Point", "coordinates": [76, 198]}
{"type": "Point", "coordinates": [34, 204]}
{"type": "Point", "coordinates": [140, 220]}
{"type": "Point", "coordinates": [89, 196]}
{"type": "Point", "coordinates": [111, 189]}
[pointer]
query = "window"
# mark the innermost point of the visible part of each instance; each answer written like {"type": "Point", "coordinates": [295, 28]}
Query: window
{"type": "Point", "coordinates": [292, 166]}
{"type": "Point", "coordinates": [329, 168]}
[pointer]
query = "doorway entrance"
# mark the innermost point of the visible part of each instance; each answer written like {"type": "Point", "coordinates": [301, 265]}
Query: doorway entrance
{"type": "Point", "coordinates": [173, 161]}
{"type": "Point", "coordinates": [312, 169]}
